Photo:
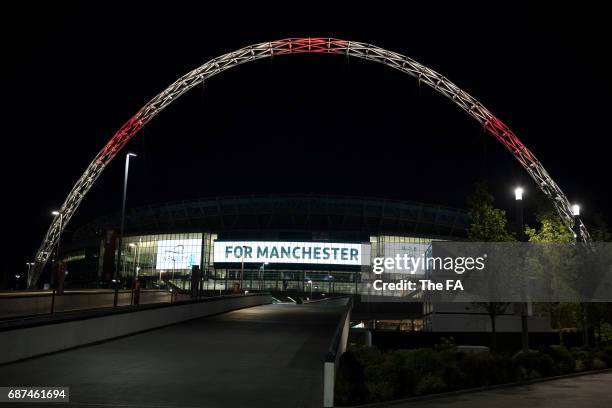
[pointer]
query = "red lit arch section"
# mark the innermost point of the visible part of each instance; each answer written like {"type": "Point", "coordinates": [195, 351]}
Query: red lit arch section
{"type": "Point", "coordinates": [300, 46]}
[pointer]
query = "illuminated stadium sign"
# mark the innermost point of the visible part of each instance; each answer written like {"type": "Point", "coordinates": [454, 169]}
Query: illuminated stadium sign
{"type": "Point", "coordinates": [327, 253]}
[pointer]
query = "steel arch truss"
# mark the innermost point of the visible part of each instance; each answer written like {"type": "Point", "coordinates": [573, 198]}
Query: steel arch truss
{"type": "Point", "coordinates": [301, 46]}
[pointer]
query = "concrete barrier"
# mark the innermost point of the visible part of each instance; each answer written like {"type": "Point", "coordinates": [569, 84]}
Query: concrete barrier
{"type": "Point", "coordinates": [336, 349]}
{"type": "Point", "coordinates": [48, 337]}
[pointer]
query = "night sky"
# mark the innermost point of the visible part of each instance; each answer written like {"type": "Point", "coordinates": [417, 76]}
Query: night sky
{"type": "Point", "coordinates": [297, 124]}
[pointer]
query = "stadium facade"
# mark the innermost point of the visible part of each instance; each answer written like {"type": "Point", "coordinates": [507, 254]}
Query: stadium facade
{"type": "Point", "coordinates": [291, 245]}
{"type": "Point", "coordinates": [280, 242]}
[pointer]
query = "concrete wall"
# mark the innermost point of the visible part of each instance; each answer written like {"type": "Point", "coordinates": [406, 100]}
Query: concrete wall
{"type": "Point", "coordinates": [468, 317]}
{"type": "Point", "coordinates": [330, 368]}
{"type": "Point", "coordinates": [17, 344]}
{"type": "Point", "coordinates": [440, 322]}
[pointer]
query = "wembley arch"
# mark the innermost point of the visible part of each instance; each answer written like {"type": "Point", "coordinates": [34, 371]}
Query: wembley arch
{"type": "Point", "coordinates": [360, 50]}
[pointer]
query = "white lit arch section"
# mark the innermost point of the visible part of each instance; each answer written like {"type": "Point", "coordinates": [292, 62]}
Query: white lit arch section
{"type": "Point", "coordinates": [302, 46]}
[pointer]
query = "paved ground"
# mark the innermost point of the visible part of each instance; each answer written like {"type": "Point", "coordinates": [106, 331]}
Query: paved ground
{"type": "Point", "coordinates": [588, 391]}
{"type": "Point", "coordinates": [266, 356]}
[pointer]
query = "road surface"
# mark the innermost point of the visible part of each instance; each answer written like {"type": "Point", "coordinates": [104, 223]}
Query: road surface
{"type": "Point", "coordinates": [265, 356]}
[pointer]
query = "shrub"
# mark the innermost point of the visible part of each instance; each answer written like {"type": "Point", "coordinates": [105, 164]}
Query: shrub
{"type": "Point", "coordinates": [454, 377]}
{"type": "Point", "coordinates": [535, 363]}
{"type": "Point", "coordinates": [350, 386]}
{"type": "Point", "coordinates": [598, 364]}
{"type": "Point", "coordinates": [445, 344]}
{"type": "Point", "coordinates": [367, 375]}
{"type": "Point", "coordinates": [605, 354]}
{"type": "Point", "coordinates": [591, 359]}
{"type": "Point", "coordinates": [424, 361]}
{"type": "Point", "coordinates": [367, 355]}
{"type": "Point", "coordinates": [580, 353]}
{"type": "Point", "coordinates": [430, 384]}
{"type": "Point", "coordinates": [389, 375]}
{"type": "Point", "coordinates": [485, 368]}
{"type": "Point", "coordinates": [501, 369]}
{"type": "Point", "coordinates": [563, 359]}
{"type": "Point", "coordinates": [380, 390]}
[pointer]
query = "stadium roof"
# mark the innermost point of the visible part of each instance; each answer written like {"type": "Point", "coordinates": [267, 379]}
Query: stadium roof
{"type": "Point", "coordinates": [288, 213]}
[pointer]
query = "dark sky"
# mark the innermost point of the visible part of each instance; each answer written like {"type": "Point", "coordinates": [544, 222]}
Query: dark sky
{"type": "Point", "coordinates": [297, 124]}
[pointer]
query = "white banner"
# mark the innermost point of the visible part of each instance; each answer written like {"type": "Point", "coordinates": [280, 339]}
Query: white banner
{"type": "Point", "coordinates": [326, 253]}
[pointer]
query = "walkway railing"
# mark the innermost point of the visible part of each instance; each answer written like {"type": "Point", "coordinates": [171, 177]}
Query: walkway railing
{"type": "Point", "coordinates": [30, 303]}
{"type": "Point", "coordinates": [336, 348]}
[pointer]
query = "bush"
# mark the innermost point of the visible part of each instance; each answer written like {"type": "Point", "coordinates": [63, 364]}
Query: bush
{"type": "Point", "coordinates": [424, 361]}
{"type": "Point", "coordinates": [430, 384]}
{"type": "Point", "coordinates": [350, 388]}
{"type": "Point", "coordinates": [535, 364]}
{"type": "Point", "coordinates": [564, 361]}
{"type": "Point", "coordinates": [367, 355]}
{"type": "Point", "coordinates": [388, 376]}
{"type": "Point", "coordinates": [454, 377]}
{"type": "Point", "coordinates": [445, 344]}
{"type": "Point", "coordinates": [381, 391]}
{"type": "Point", "coordinates": [485, 369]}
{"type": "Point", "coordinates": [605, 354]}
{"type": "Point", "coordinates": [367, 375]}
{"type": "Point", "coordinates": [598, 364]}
{"type": "Point", "coordinates": [591, 359]}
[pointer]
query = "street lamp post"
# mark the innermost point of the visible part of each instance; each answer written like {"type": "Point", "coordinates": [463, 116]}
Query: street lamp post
{"type": "Point", "coordinates": [29, 265]}
{"type": "Point", "coordinates": [583, 306]}
{"type": "Point", "coordinates": [58, 213]}
{"type": "Point", "coordinates": [120, 243]}
{"type": "Point", "coordinates": [310, 283]}
{"type": "Point", "coordinates": [518, 198]}
{"type": "Point", "coordinates": [125, 181]}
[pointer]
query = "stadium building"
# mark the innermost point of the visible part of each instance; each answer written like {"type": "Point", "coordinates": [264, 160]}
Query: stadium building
{"type": "Point", "coordinates": [288, 242]}
{"type": "Point", "coordinates": [291, 245]}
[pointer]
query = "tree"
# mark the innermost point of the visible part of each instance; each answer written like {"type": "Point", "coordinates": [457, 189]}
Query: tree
{"type": "Point", "coordinates": [489, 224]}
{"type": "Point", "coordinates": [599, 314]}
{"type": "Point", "coordinates": [553, 230]}
{"type": "Point", "coordinates": [599, 229]}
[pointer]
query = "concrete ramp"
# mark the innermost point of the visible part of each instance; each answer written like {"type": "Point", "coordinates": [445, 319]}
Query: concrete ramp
{"type": "Point", "coordinates": [264, 356]}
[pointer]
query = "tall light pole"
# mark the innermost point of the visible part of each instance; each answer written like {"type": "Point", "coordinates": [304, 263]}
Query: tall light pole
{"type": "Point", "coordinates": [58, 213]}
{"type": "Point", "coordinates": [520, 226]}
{"type": "Point", "coordinates": [29, 265]}
{"type": "Point", "coordinates": [125, 181]}
{"type": "Point", "coordinates": [578, 237]}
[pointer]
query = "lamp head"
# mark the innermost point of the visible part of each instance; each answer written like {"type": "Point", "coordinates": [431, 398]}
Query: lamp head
{"type": "Point", "coordinates": [518, 193]}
